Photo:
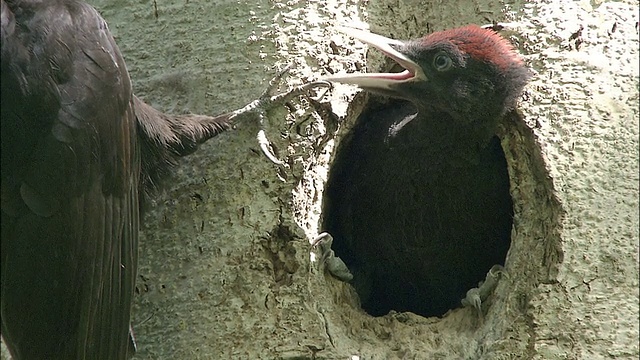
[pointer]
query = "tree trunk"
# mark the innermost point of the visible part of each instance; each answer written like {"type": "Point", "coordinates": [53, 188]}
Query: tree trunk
{"type": "Point", "coordinates": [225, 266]}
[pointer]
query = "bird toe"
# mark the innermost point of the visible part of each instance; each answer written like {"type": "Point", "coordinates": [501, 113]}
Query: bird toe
{"type": "Point", "coordinates": [328, 258]}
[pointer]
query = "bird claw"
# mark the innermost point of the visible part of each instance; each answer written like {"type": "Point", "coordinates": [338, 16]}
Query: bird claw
{"type": "Point", "coordinates": [476, 296]}
{"type": "Point", "coordinates": [275, 81]}
{"type": "Point", "coordinates": [266, 148]}
{"type": "Point", "coordinates": [297, 91]}
{"type": "Point", "coordinates": [332, 263]}
{"type": "Point", "coordinates": [473, 299]}
{"type": "Point", "coordinates": [266, 101]}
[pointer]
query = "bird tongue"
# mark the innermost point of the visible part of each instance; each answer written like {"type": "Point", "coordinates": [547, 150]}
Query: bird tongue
{"type": "Point", "coordinates": [380, 80]}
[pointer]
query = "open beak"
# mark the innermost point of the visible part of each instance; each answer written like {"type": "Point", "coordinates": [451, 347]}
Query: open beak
{"type": "Point", "coordinates": [382, 81]}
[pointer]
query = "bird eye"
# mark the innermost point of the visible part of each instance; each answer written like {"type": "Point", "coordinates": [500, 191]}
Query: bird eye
{"type": "Point", "coordinates": [442, 62]}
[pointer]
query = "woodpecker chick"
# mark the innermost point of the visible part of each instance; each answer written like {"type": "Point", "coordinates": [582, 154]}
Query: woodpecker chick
{"type": "Point", "coordinates": [418, 193]}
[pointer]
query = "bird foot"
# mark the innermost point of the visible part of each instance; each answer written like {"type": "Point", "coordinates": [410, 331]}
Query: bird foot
{"type": "Point", "coordinates": [267, 101]}
{"type": "Point", "coordinates": [332, 263]}
{"type": "Point", "coordinates": [476, 296]}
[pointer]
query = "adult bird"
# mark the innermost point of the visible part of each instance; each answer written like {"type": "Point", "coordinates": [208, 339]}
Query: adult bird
{"type": "Point", "coordinates": [79, 154]}
{"type": "Point", "coordinates": [418, 194]}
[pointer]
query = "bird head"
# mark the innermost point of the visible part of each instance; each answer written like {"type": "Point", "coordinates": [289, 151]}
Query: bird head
{"type": "Point", "coordinates": [471, 73]}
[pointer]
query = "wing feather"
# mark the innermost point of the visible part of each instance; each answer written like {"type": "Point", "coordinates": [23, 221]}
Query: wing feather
{"type": "Point", "coordinates": [70, 177]}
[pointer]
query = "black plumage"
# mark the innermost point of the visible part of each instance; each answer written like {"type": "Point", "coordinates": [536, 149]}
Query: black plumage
{"type": "Point", "coordinates": [418, 194]}
{"type": "Point", "coordinates": [79, 153]}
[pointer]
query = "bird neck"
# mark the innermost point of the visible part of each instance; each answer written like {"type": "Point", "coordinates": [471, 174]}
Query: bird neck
{"type": "Point", "coordinates": [438, 132]}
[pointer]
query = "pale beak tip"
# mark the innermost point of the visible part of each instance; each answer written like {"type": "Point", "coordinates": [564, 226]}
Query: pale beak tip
{"type": "Point", "coordinates": [340, 78]}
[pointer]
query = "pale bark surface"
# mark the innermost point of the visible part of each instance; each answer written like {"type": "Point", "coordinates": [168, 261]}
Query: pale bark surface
{"type": "Point", "coordinates": [225, 266]}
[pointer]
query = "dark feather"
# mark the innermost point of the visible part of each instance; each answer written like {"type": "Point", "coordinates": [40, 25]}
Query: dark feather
{"type": "Point", "coordinates": [165, 138]}
{"type": "Point", "coordinates": [69, 193]}
{"type": "Point", "coordinates": [418, 195]}
{"type": "Point", "coordinates": [78, 153]}
{"type": "Point", "coordinates": [421, 216]}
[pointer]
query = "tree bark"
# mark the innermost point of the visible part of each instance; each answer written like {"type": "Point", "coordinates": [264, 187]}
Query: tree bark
{"type": "Point", "coordinates": [226, 269]}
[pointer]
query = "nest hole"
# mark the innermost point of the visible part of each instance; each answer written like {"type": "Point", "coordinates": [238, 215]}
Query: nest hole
{"type": "Point", "coordinates": [416, 230]}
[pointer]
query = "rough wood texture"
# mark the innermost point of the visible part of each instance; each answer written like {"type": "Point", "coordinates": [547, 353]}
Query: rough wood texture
{"type": "Point", "coordinates": [225, 269]}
